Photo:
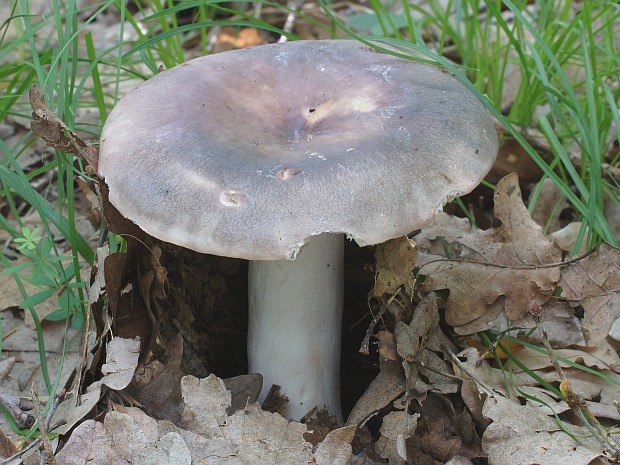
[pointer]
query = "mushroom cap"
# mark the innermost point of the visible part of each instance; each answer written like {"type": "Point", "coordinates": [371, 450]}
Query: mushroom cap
{"type": "Point", "coordinates": [248, 153]}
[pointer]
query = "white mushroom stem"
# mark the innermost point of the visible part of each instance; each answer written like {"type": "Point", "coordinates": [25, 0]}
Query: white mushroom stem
{"type": "Point", "coordinates": [295, 316]}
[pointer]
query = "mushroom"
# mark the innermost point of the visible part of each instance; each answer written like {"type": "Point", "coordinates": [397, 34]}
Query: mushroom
{"type": "Point", "coordinates": [273, 154]}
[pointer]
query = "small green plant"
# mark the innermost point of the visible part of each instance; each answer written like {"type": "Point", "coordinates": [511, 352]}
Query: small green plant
{"type": "Point", "coordinates": [49, 276]}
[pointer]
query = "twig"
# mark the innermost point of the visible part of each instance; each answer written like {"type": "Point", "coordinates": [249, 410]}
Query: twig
{"type": "Point", "coordinates": [575, 401]}
{"type": "Point", "coordinates": [17, 409]}
{"type": "Point", "coordinates": [364, 348]}
{"type": "Point", "coordinates": [47, 454]}
{"type": "Point", "coordinates": [58, 399]}
{"type": "Point", "coordinates": [465, 369]}
{"type": "Point", "coordinates": [33, 444]}
{"type": "Point", "coordinates": [540, 266]}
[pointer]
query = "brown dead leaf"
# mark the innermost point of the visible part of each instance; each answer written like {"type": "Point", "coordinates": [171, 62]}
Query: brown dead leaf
{"type": "Point", "coordinates": [521, 434]}
{"type": "Point", "coordinates": [125, 437]}
{"type": "Point", "coordinates": [488, 375]}
{"type": "Point", "coordinates": [206, 401]}
{"type": "Point", "coordinates": [599, 390]}
{"type": "Point", "coordinates": [492, 271]}
{"type": "Point", "coordinates": [138, 439]}
{"type": "Point", "coordinates": [387, 345]}
{"type": "Point", "coordinates": [395, 263]}
{"type": "Point", "coordinates": [602, 359]}
{"type": "Point", "coordinates": [388, 385]}
{"type": "Point", "coordinates": [244, 390]}
{"type": "Point", "coordinates": [249, 436]}
{"type": "Point", "coordinates": [446, 431]}
{"type": "Point", "coordinates": [90, 444]}
{"type": "Point", "coordinates": [594, 282]}
{"type": "Point", "coordinates": [549, 204]}
{"type": "Point", "coordinates": [121, 362]}
{"type": "Point", "coordinates": [46, 125]}
{"type": "Point", "coordinates": [157, 386]}
{"type": "Point", "coordinates": [7, 448]}
{"type": "Point", "coordinates": [419, 344]}
{"type": "Point", "coordinates": [600, 393]}
{"type": "Point", "coordinates": [336, 448]}
{"type": "Point", "coordinates": [396, 428]}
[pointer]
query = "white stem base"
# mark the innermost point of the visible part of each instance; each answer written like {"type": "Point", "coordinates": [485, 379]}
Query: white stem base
{"type": "Point", "coordinates": [295, 316]}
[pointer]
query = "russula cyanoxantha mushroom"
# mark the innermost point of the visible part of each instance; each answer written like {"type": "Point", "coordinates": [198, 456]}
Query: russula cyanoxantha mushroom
{"type": "Point", "coordinates": [272, 154]}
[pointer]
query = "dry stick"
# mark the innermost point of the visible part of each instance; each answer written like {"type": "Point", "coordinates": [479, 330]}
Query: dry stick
{"type": "Point", "coordinates": [47, 454]}
{"type": "Point", "coordinates": [364, 348]}
{"type": "Point", "coordinates": [58, 398]}
{"type": "Point", "coordinates": [13, 405]}
{"type": "Point", "coordinates": [34, 443]}
{"type": "Point", "coordinates": [84, 361]}
{"type": "Point", "coordinates": [575, 401]}
{"type": "Point", "coordinates": [481, 384]}
{"type": "Point", "coordinates": [572, 261]}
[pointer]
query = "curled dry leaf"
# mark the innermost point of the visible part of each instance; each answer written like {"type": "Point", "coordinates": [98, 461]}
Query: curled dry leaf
{"type": "Point", "coordinates": [388, 385]}
{"type": "Point", "coordinates": [386, 342]}
{"type": "Point", "coordinates": [446, 430]}
{"type": "Point", "coordinates": [419, 344]}
{"type": "Point", "coordinates": [157, 385]}
{"type": "Point", "coordinates": [121, 362]}
{"type": "Point", "coordinates": [336, 447]}
{"type": "Point", "coordinates": [46, 125]}
{"type": "Point", "coordinates": [490, 271]}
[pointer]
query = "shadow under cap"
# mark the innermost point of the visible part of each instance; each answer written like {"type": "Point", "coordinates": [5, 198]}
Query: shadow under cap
{"type": "Point", "coordinates": [248, 153]}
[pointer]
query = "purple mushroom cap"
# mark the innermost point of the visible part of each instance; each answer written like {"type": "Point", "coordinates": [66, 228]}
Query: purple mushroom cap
{"type": "Point", "coordinates": [248, 153]}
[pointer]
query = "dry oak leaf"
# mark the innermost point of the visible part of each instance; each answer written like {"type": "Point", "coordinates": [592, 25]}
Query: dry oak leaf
{"type": "Point", "coordinates": [90, 443]}
{"type": "Point", "coordinates": [419, 344]}
{"type": "Point", "coordinates": [388, 385]}
{"type": "Point", "coordinates": [523, 435]}
{"type": "Point", "coordinates": [595, 283]}
{"type": "Point", "coordinates": [489, 272]}
{"type": "Point", "coordinates": [395, 263]}
{"type": "Point", "coordinates": [249, 436]}
{"type": "Point", "coordinates": [336, 447]}
{"type": "Point", "coordinates": [121, 362]}
{"type": "Point", "coordinates": [396, 428]}
{"type": "Point", "coordinates": [122, 438]}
